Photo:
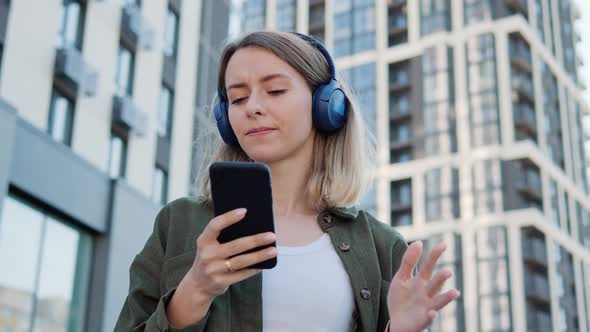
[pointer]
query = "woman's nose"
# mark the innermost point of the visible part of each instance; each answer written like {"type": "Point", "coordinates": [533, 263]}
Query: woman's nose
{"type": "Point", "coordinates": [254, 105]}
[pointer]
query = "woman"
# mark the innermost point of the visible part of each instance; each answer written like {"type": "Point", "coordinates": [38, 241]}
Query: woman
{"type": "Point", "coordinates": [339, 268]}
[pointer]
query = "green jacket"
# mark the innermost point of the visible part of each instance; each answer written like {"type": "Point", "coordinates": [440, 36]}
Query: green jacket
{"type": "Point", "coordinates": [370, 250]}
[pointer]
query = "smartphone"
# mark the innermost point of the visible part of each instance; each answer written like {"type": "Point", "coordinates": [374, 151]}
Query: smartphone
{"type": "Point", "coordinates": [244, 185]}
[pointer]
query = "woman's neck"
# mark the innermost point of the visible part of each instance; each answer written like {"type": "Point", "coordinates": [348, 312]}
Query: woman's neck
{"type": "Point", "coordinates": [289, 184]}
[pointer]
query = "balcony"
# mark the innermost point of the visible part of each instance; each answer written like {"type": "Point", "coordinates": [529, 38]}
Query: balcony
{"type": "Point", "coordinates": [77, 75]}
{"type": "Point", "coordinates": [518, 6]}
{"type": "Point", "coordinates": [396, 4]}
{"type": "Point", "coordinates": [398, 24]}
{"type": "Point", "coordinates": [520, 55]}
{"type": "Point", "coordinates": [135, 29]}
{"type": "Point", "coordinates": [524, 118]}
{"type": "Point", "coordinates": [534, 252]}
{"type": "Point", "coordinates": [523, 86]}
{"type": "Point", "coordinates": [128, 115]}
{"type": "Point", "coordinates": [537, 288]}
{"type": "Point", "coordinates": [538, 321]}
{"type": "Point", "coordinates": [316, 19]}
{"type": "Point", "coordinates": [529, 184]}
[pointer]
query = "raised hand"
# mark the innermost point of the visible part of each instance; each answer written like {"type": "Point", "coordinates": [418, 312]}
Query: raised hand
{"type": "Point", "coordinates": [413, 301]}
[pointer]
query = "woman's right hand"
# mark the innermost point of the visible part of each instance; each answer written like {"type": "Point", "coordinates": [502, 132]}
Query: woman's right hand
{"type": "Point", "coordinates": [209, 272]}
{"type": "Point", "coordinates": [209, 276]}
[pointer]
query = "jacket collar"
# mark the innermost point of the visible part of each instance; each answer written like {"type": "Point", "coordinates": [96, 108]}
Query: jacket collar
{"type": "Point", "coordinates": [347, 213]}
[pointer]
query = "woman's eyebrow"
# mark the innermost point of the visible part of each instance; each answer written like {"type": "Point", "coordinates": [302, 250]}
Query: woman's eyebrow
{"type": "Point", "coordinates": [262, 80]}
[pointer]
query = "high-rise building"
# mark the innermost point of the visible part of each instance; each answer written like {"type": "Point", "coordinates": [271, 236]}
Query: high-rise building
{"type": "Point", "coordinates": [97, 101]}
{"type": "Point", "coordinates": [477, 112]}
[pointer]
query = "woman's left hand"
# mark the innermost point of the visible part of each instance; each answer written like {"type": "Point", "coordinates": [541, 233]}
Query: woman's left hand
{"type": "Point", "coordinates": [413, 301]}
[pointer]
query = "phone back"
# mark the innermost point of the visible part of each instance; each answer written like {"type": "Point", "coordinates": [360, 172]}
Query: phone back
{"type": "Point", "coordinates": [244, 185]}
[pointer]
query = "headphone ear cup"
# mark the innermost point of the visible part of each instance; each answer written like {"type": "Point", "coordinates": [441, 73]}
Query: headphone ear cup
{"type": "Point", "coordinates": [223, 125]}
{"type": "Point", "coordinates": [329, 108]}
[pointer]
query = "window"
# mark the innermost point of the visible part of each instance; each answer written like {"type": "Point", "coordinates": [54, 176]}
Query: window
{"type": "Point", "coordinates": [441, 194]}
{"type": "Point", "coordinates": [61, 118]}
{"type": "Point", "coordinates": [131, 2]}
{"type": "Point", "coordinates": [160, 186]}
{"type": "Point", "coordinates": [482, 88]}
{"type": "Point", "coordinates": [434, 16]}
{"type": "Point", "coordinates": [361, 80]}
{"type": "Point", "coordinates": [354, 26]}
{"type": "Point", "coordinates": [452, 318]}
{"type": "Point", "coordinates": [171, 34]}
{"type": "Point", "coordinates": [125, 72]}
{"type": "Point", "coordinates": [253, 15]}
{"type": "Point", "coordinates": [71, 24]}
{"type": "Point", "coordinates": [401, 202]}
{"type": "Point", "coordinates": [49, 275]}
{"type": "Point", "coordinates": [492, 274]}
{"type": "Point", "coordinates": [286, 12]}
{"type": "Point", "coordinates": [118, 153]}
{"type": "Point", "coordinates": [165, 110]}
{"type": "Point", "coordinates": [566, 292]}
{"type": "Point", "coordinates": [487, 186]}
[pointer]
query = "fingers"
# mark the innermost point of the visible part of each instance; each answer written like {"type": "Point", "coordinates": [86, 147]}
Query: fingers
{"type": "Point", "coordinates": [442, 300]}
{"type": "Point", "coordinates": [243, 261]}
{"type": "Point", "coordinates": [217, 224]}
{"type": "Point", "coordinates": [246, 243]}
{"type": "Point", "coordinates": [238, 276]}
{"type": "Point", "coordinates": [435, 285]}
{"type": "Point", "coordinates": [430, 263]}
{"type": "Point", "coordinates": [409, 261]}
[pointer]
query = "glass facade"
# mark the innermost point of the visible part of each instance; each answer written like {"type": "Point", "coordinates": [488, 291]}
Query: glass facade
{"type": "Point", "coordinates": [44, 287]}
{"type": "Point", "coordinates": [354, 26]}
{"type": "Point", "coordinates": [553, 129]}
{"type": "Point", "coordinates": [441, 187]}
{"type": "Point", "coordinates": [487, 186]}
{"type": "Point", "coordinates": [71, 24]}
{"type": "Point", "coordinates": [253, 15]}
{"type": "Point", "coordinates": [160, 186]}
{"type": "Point", "coordinates": [286, 15]}
{"type": "Point", "coordinates": [436, 135]}
{"type": "Point", "coordinates": [477, 10]}
{"type": "Point", "coordinates": [125, 72]}
{"type": "Point", "coordinates": [401, 202]}
{"type": "Point", "coordinates": [171, 34]}
{"type": "Point", "coordinates": [435, 15]}
{"type": "Point", "coordinates": [317, 18]}
{"type": "Point", "coordinates": [523, 94]}
{"type": "Point", "coordinates": [400, 111]}
{"type": "Point", "coordinates": [554, 198]}
{"type": "Point", "coordinates": [361, 80]}
{"type": "Point", "coordinates": [536, 279]}
{"type": "Point", "coordinates": [482, 85]}
{"type": "Point", "coordinates": [61, 118]}
{"type": "Point", "coordinates": [117, 154]}
{"type": "Point", "coordinates": [567, 38]}
{"type": "Point", "coordinates": [165, 111]}
{"type": "Point", "coordinates": [493, 283]}
{"type": "Point", "coordinates": [452, 318]}
{"type": "Point", "coordinates": [397, 25]}
{"type": "Point", "coordinates": [567, 312]}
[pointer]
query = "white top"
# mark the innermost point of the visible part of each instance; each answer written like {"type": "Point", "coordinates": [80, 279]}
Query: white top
{"type": "Point", "coordinates": [308, 290]}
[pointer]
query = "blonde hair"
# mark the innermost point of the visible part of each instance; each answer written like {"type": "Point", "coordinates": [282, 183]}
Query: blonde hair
{"type": "Point", "coordinates": [340, 171]}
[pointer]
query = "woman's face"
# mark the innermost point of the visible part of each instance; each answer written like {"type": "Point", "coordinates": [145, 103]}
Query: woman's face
{"type": "Point", "coordinates": [269, 105]}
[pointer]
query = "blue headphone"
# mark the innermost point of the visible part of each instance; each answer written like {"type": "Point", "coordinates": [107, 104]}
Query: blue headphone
{"type": "Point", "coordinates": [329, 107]}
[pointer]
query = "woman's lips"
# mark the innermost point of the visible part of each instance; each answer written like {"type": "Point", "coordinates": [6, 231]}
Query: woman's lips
{"type": "Point", "coordinates": [261, 132]}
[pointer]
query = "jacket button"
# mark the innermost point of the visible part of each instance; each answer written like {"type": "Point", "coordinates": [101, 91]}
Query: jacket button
{"type": "Point", "coordinates": [365, 293]}
{"type": "Point", "coordinates": [344, 246]}
{"type": "Point", "coordinates": [328, 219]}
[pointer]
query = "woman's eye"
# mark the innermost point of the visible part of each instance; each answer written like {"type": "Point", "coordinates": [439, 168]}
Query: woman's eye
{"type": "Point", "coordinates": [277, 92]}
{"type": "Point", "coordinates": [238, 100]}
